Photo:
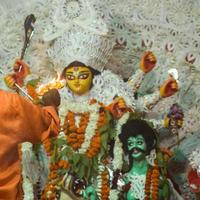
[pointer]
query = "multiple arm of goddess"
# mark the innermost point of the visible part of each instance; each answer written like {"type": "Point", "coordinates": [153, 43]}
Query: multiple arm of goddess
{"type": "Point", "coordinates": [167, 89]}
{"type": "Point", "coordinates": [147, 102]}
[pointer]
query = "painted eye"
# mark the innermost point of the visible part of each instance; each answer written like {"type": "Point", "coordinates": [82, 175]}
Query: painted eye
{"type": "Point", "coordinates": [70, 77]}
{"type": "Point", "coordinates": [83, 76]}
{"type": "Point", "coordinates": [140, 142]}
{"type": "Point", "coordinates": [130, 143]}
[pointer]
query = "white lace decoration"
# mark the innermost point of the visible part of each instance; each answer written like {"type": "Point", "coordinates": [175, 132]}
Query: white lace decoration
{"type": "Point", "coordinates": [151, 157]}
{"type": "Point", "coordinates": [168, 28]}
{"type": "Point", "coordinates": [118, 151]}
{"type": "Point", "coordinates": [147, 102]}
{"type": "Point", "coordinates": [65, 14]}
{"type": "Point", "coordinates": [136, 79]}
{"type": "Point", "coordinates": [82, 45]}
{"type": "Point", "coordinates": [113, 194]}
{"type": "Point", "coordinates": [109, 85]}
{"type": "Point", "coordinates": [27, 184]}
{"type": "Point", "coordinates": [194, 159]}
{"type": "Point", "coordinates": [137, 185]}
{"type": "Point", "coordinates": [79, 34]}
{"type": "Point", "coordinates": [72, 9]}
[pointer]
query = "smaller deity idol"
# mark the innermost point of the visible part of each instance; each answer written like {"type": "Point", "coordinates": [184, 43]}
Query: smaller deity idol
{"type": "Point", "coordinates": [144, 179]}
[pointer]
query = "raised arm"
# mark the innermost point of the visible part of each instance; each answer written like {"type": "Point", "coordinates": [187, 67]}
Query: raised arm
{"type": "Point", "coordinates": [23, 121]}
{"type": "Point", "coordinates": [147, 63]}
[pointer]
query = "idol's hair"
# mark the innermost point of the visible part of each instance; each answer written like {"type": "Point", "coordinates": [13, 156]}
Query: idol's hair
{"type": "Point", "coordinates": [136, 127]}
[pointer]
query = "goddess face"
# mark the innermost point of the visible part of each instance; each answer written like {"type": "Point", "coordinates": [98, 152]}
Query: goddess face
{"type": "Point", "coordinates": [137, 146]}
{"type": "Point", "coordinates": [79, 79]}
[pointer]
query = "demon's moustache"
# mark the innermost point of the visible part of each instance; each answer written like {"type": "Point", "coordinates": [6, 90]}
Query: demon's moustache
{"type": "Point", "coordinates": [136, 150]}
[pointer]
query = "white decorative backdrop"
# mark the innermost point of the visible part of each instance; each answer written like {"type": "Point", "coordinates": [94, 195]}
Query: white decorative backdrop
{"type": "Point", "coordinates": [112, 34]}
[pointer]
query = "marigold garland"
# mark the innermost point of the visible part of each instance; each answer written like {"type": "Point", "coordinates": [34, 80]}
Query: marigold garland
{"type": "Point", "coordinates": [75, 136]}
{"type": "Point", "coordinates": [104, 185]}
{"type": "Point", "coordinates": [32, 92]}
{"type": "Point", "coordinates": [51, 190]}
{"type": "Point", "coordinates": [167, 154]}
{"type": "Point", "coordinates": [152, 183]}
{"type": "Point", "coordinates": [95, 143]}
{"type": "Point", "coordinates": [47, 143]}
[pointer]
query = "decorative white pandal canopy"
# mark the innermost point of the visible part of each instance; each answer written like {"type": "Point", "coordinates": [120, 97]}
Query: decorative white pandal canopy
{"type": "Point", "coordinates": [113, 34]}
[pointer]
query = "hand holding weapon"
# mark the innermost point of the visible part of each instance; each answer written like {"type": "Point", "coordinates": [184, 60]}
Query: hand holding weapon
{"type": "Point", "coordinates": [29, 30]}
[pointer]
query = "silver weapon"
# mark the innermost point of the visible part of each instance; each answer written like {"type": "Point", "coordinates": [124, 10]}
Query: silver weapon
{"type": "Point", "coordinates": [29, 30]}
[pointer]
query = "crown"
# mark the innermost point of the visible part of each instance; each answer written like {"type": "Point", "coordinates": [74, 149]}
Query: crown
{"type": "Point", "coordinates": [82, 45]}
{"type": "Point", "coordinates": [78, 34]}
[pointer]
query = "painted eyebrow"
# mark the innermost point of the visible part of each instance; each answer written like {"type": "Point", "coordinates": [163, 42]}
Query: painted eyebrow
{"type": "Point", "coordinates": [79, 72]}
{"type": "Point", "coordinates": [136, 139]}
{"type": "Point", "coordinates": [84, 72]}
{"type": "Point", "coordinates": [139, 138]}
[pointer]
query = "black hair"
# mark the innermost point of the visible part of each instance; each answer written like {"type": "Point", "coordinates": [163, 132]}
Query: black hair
{"type": "Point", "coordinates": [136, 127]}
{"type": "Point", "coordinates": [79, 64]}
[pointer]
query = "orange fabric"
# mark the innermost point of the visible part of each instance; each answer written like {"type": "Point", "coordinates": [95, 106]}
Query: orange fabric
{"type": "Point", "coordinates": [20, 121]}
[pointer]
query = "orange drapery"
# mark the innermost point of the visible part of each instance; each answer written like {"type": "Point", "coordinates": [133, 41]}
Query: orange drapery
{"type": "Point", "coordinates": [20, 121]}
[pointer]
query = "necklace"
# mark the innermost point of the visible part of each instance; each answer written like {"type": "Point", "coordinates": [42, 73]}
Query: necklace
{"type": "Point", "coordinates": [145, 186]}
{"type": "Point", "coordinates": [152, 182]}
{"type": "Point", "coordinates": [84, 137]}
